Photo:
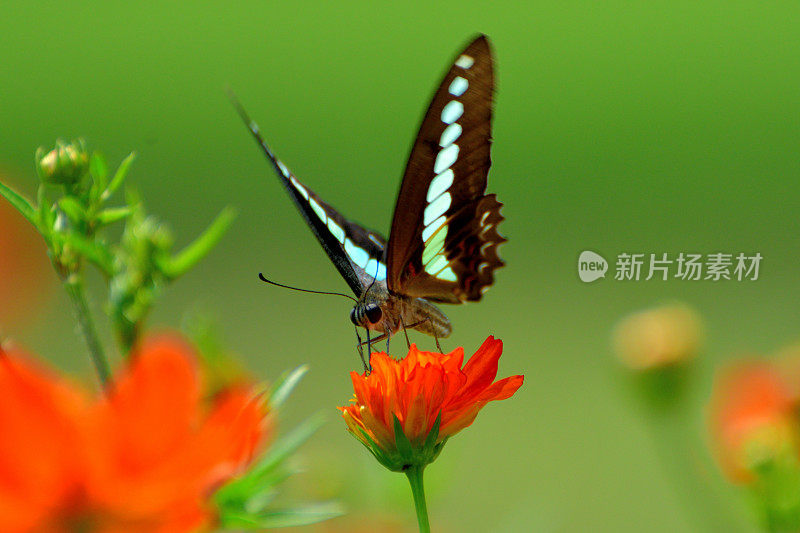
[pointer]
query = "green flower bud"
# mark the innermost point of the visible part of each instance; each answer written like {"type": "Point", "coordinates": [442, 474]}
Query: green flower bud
{"type": "Point", "coordinates": [66, 164]}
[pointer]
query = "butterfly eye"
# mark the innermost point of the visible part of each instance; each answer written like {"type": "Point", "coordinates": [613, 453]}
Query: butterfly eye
{"type": "Point", "coordinates": [353, 317]}
{"type": "Point", "coordinates": [374, 313]}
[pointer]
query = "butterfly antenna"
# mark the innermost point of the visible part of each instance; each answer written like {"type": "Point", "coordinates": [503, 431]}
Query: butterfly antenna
{"type": "Point", "coordinates": [265, 280]}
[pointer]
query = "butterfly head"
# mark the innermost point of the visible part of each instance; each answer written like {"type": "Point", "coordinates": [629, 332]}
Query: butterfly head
{"type": "Point", "coordinates": [366, 314]}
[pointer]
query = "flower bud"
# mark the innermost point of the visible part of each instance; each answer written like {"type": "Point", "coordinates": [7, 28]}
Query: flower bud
{"type": "Point", "coordinates": [66, 164]}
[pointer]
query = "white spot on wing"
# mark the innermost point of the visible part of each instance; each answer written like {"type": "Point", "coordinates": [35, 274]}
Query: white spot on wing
{"type": "Point", "coordinates": [435, 246]}
{"type": "Point", "coordinates": [445, 158]}
{"type": "Point", "coordinates": [435, 266]}
{"type": "Point", "coordinates": [440, 184]}
{"type": "Point", "coordinates": [436, 208]}
{"type": "Point", "coordinates": [447, 274]}
{"type": "Point", "coordinates": [458, 86]}
{"type": "Point", "coordinates": [450, 134]}
{"type": "Point", "coordinates": [465, 61]}
{"type": "Point", "coordinates": [376, 269]}
{"type": "Point", "coordinates": [452, 111]}
{"type": "Point", "coordinates": [358, 255]}
{"type": "Point", "coordinates": [284, 170]}
{"type": "Point", "coordinates": [431, 228]}
{"type": "Point", "coordinates": [302, 190]}
{"type": "Point", "coordinates": [318, 210]}
{"type": "Point", "coordinates": [336, 230]}
{"type": "Point", "coordinates": [372, 267]}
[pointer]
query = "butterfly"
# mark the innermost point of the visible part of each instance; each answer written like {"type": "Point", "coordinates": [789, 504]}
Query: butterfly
{"type": "Point", "coordinates": [443, 242]}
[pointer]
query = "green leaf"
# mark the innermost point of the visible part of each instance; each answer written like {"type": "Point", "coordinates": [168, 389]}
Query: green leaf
{"type": "Point", "coordinates": [202, 245]}
{"type": "Point", "coordinates": [297, 516]}
{"type": "Point", "coordinates": [119, 176]}
{"type": "Point", "coordinates": [73, 209]}
{"type": "Point", "coordinates": [113, 214]}
{"type": "Point", "coordinates": [47, 215]}
{"type": "Point", "coordinates": [286, 446]}
{"type": "Point", "coordinates": [99, 169]}
{"type": "Point", "coordinates": [95, 252]}
{"type": "Point", "coordinates": [284, 386]}
{"type": "Point", "coordinates": [20, 203]}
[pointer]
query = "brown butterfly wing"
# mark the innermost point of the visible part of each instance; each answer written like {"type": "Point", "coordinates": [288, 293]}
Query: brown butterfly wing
{"type": "Point", "coordinates": [443, 241]}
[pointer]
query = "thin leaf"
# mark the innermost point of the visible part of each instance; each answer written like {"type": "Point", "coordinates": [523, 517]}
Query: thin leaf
{"type": "Point", "coordinates": [284, 386]}
{"type": "Point", "coordinates": [286, 446]}
{"type": "Point", "coordinates": [72, 208]}
{"type": "Point", "coordinates": [119, 176]}
{"type": "Point", "coordinates": [99, 169]}
{"type": "Point", "coordinates": [93, 251]}
{"type": "Point", "coordinates": [47, 215]}
{"type": "Point", "coordinates": [202, 245]}
{"type": "Point", "coordinates": [20, 203]}
{"type": "Point", "coordinates": [298, 516]}
{"type": "Point", "coordinates": [113, 214]}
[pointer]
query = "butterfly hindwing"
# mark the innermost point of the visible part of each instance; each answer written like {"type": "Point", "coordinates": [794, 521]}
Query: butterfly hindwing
{"type": "Point", "coordinates": [443, 241]}
{"type": "Point", "coordinates": [357, 253]}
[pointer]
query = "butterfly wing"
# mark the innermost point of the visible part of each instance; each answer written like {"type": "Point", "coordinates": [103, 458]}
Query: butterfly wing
{"type": "Point", "coordinates": [356, 252]}
{"type": "Point", "coordinates": [443, 242]}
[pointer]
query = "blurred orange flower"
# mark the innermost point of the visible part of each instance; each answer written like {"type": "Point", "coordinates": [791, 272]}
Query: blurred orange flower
{"type": "Point", "coordinates": [751, 415]}
{"type": "Point", "coordinates": [145, 458]}
{"type": "Point", "coordinates": [420, 387]}
{"type": "Point", "coordinates": [24, 276]}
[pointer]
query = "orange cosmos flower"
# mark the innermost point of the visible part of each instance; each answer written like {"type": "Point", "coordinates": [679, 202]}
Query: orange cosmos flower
{"type": "Point", "coordinates": [24, 275]}
{"type": "Point", "coordinates": [751, 417]}
{"type": "Point", "coordinates": [423, 400]}
{"type": "Point", "coordinates": [39, 444]}
{"type": "Point", "coordinates": [145, 458]}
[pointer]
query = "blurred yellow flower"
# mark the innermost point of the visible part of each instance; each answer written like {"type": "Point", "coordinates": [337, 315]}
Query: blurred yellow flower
{"type": "Point", "coordinates": [658, 337]}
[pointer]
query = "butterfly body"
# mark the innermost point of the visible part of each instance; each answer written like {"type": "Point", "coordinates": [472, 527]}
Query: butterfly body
{"type": "Point", "coordinates": [381, 311]}
{"type": "Point", "coordinates": [443, 242]}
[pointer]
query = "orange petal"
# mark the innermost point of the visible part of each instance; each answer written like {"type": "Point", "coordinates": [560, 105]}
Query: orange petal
{"type": "Point", "coordinates": [39, 442]}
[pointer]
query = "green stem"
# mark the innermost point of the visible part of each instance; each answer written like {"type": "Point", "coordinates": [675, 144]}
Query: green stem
{"type": "Point", "coordinates": [414, 475]}
{"type": "Point", "coordinates": [74, 285]}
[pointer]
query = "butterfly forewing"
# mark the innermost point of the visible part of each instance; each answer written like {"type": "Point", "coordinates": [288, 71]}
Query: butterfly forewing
{"type": "Point", "coordinates": [343, 239]}
{"type": "Point", "coordinates": [443, 241]}
{"type": "Point", "coordinates": [356, 251]}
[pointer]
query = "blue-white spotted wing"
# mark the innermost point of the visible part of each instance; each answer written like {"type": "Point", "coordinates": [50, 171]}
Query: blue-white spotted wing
{"type": "Point", "coordinates": [357, 253]}
{"type": "Point", "coordinates": [443, 242]}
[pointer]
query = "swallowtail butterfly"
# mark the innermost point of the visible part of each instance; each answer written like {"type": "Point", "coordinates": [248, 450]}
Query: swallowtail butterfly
{"type": "Point", "coordinates": [443, 241]}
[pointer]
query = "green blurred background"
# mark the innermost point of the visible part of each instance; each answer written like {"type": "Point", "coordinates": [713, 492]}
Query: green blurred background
{"type": "Point", "coordinates": [620, 127]}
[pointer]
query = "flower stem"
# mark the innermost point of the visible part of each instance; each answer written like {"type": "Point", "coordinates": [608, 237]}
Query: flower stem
{"type": "Point", "coordinates": [74, 286]}
{"type": "Point", "coordinates": [414, 475]}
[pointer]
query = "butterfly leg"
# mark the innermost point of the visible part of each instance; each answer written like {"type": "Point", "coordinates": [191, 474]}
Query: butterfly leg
{"type": "Point", "coordinates": [438, 346]}
{"type": "Point", "coordinates": [405, 332]}
{"type": "Point", "coordinates": [360, 348]}
{"type": "Point", "coordinates": [435, 338]}
{"type": "Point", "coordinates": [373, 341]}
